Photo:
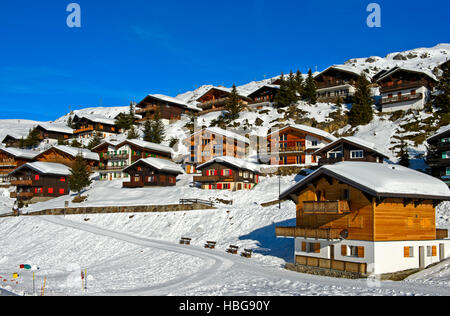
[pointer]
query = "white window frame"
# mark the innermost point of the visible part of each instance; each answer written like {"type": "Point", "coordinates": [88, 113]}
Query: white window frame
{"type": "Point", "coordinates": [353, 152]}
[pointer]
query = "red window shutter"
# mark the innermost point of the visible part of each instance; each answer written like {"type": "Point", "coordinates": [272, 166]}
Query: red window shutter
{"type": "Point", "coordinates": [221, 172]}
{"type": "Point", "coordinates": [36, 177]}
{"type": "Point", "coordinates": [231, 172]}
{"type": "Point", "coordinates": [61, 191]}
{"type": "Point", "coordinates": [215, 172]}
{"type": "Point", "coordinates": [50, 190]}
{"type": "Point", "coordinates": [63, 179]}
{"type": "Point", "coordinates": [35, 190]}
{"type": "Point", "coordinates": [207, 173]}
{"type": "Point", "coordinates": [219, 186]}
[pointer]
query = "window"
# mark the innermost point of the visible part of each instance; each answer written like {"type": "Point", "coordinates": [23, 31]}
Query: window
{"type": "Point", "coordinates": [335, 154]}
{"type": "Point", "coordinates": [357, 154]}
{"type": "Point", "coordinates": [36, 177]}
{"type": "Point", "coordinates": [409, 252]}
{"type": "Point", "coordinates": [446, 140]}
{"type": "Point", "coordinates": [311, 247]}
{"type": "Point", "coordinates": [446, 155]}
{"type": "Point", "coordinates": [226, 172]}
{"type": "Point", "coordinates": [346, 195]}
{"type": "Point", "coordinates": [63, 179]}
{"type": "Point", "coordinates": [314, 143]}
{"type": "Point", "coordinates": [61, 191]}
{"type": "Point", "coordinates": [447, 171]}
{"type": "Point", "coordinates": [50, 190]}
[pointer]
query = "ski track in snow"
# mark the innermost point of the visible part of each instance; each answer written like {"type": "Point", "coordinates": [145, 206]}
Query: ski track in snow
{"type": "Point", "coordinates": [222, 274]}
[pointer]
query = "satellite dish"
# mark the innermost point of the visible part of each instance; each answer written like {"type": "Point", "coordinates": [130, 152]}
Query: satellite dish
{"type": "Point", "coordinates": [344, 234]}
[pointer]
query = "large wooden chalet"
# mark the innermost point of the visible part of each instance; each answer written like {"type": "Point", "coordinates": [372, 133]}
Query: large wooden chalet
{"type": "Point", "coordinates": [54, 132]}
{"type": "Point", "coordinates": [349, 149]}
{"type": "Point", "coordinates": [67, 155]}
{"type": "Point", "coordinates": [87, 125]}
{"type": "Point", "coordinates": [150, 172]}
{"type": "Point", "coordinates": [228, 173]}
{"type": "Point", "coordinates": [12, 158]}
{"type": "Point", "coordinates": [403, 89]}
{"type": "Point", "coordinates": [116, 155]}
{"type": "Point", "coordinates": [214, 142]}
{"type": "Point", "coordinates": [367, 218]}
{"type": "Point", "coordinates": [40, 181]}
{"type": "Point", "coordinates": [215, 100]}
{"type": "Point", "coordinates": [169, 108]}
{"type": "Point", "coordinates": [263, 96]}
{"type": "Point", "coordinates": [338, 81]}
{"type": "Point", "coordinates": [295, 145]}
{"type": "Point", "coordinates": [12, 140]}
{"type": "Point", "coordinates": [439, 158]}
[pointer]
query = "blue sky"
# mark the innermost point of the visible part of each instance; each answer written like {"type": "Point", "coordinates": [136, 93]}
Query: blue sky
{"type": "Point", "coordinates": [128, 49]}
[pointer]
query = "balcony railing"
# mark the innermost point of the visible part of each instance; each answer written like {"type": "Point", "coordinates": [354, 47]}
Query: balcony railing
{"type": "Point", "coordinates": [22, 182]}
{"type": "Point", "coordinates": [328, 234]}
{"type": "Point", "coordinates": [115, 157]}
{"type": "Point", "coordinates": [207, 179]}
{"type": "Point", "coordinates": [326, 207]}
{"type": "Point", "coordinates": [8, 163]}
{"type": "Point", "coordinates": [84, 129]}
{"type": "Point", "coordinates": [14, 195]}
{"type": "Point", "coordinates": [109, 168]}
{"type": "Point", "coordinates": [287, 149]}
{"type": "Point", "coordinates": [403, 86]}
{"type": "Point", "coordinates": [218, 102]}
{"type": "Point", "coordinates": [402, 98]}
{"type": "Point", "coordinates": [148, 108]}
{"type": "Point", "coordinates": [133, 185]}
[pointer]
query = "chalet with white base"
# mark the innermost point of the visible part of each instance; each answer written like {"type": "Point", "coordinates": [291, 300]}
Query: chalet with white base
{"type": "Point", "coordinates": [367, 218]}
{"type": "Point", "coordinates": [228, 173]}
{"type": "Point", "coordinates": [404, 89]}
{"type": "Point", "coordinates": [439, 157]}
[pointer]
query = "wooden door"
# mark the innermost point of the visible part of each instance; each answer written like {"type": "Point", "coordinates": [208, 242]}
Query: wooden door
{"type": "Point", "coordinates": [422, 257]}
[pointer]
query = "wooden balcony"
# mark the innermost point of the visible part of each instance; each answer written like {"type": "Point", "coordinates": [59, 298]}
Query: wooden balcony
{"type": "Point", "coordinates": [115, 157]}
{"type": "Point", "coordinates": [84, 129]}
{"type": "Point", "coordinates": [28, 195]}
{"type": "Point", "coordinates": [109, 168]}
{"type": "Point", "coordinates": [149, 108]}
{"type": "Point", "coordinates": [328, 234]}
{"type": "Point", "coordinates": [403, 98]}
{"type": "Point", "coordinates": [207, 179]}
{"type": "Point", "coordinates": [298, 149]}
{"type": "Point", "coordinates": [8, 163]}
{"type": "Point", "coordinates": [133, 185]}
{"type": "Point", "coordinates": [403, 86]}
{"type": "Point", "coordinates": [326, 207]}
{"type": "Point", "coordinates": [22, 182]}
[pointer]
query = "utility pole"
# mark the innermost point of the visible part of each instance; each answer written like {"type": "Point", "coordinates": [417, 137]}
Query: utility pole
{"type": "Point", "coordinates": [279, 189]}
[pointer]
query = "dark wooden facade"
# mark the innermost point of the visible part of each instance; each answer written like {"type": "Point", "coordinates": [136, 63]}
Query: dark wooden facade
{"type": "Point", "coordinates": [86, 125]}
{"type": "Point", "coordinates": [264, 94]}
{"type": "Point", "coordinates": [335, 77]}
{"type": "Point", "coordinates": [11, 141]}
{"type": "Point", "coordinates": [168, 110]}
{"type": "Point", "coordinates": [216, 99]}
{"type": "Point", "coordinates": [143, 175]}
{"type": "Point", "coordinates": [439, 157]}
{"type": "Point", "coordinates": [226, 176]}
{"type": "Point", "coordinates": [45, 133]}
{"type": "Point", "coordinates": [9, 162]}
{"type": "Point", "coordinates": [55, 155]}
{"type": "Point", "coordinates": [31, 184]}
{"type": "Point", "coordinates": [347, 150]}
{"type": "Point", "coordinates": [401, 79]}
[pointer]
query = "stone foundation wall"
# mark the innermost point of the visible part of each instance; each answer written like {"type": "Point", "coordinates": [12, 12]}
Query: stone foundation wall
{"type": "Point", "coordinates": [323, 272]}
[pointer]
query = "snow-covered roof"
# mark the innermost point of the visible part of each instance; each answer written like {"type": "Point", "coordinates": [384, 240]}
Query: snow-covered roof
{"type": "Point", "coordinates": [227, 134]}
{"type": "Point", "coordinates": [356, 141]}
{"type": "Point", "coordinates": [173, 100]}
{"type": "Point", "coordinates": [58, 128]}
{"type": "Point", "coordinates": [74, 152]}
{"type": "Point", "coordinates": [440, 132]}
{"type": "Point", "coordinates": [240, 92]}
{"type": "Point", "coordinates": [20, 153]}
{"type": "Point", "coordinates": [46, 168]}
{"type": "Point", "coordinates": [147, 145]}
{"type": "Point", "coordinates": [308, 129]}
{"type": "Point", "coordinates": [159, 164]}
{"type": "Point", "coordinates": [239, 163]}
{"type": "Point", "coordinates": [426, 72]}
{"type": "Point", "coordinates": [381, 180]}
{"type": "Point", "coordinates": [344, 68]}
{"type": "Point", "coordinates": [273, 86]}
{"type": "Point", "coordinates": [97, 119]}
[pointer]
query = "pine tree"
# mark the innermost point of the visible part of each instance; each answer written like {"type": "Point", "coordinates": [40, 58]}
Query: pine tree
{"type": "Point", "coordinates": [299, 82]}
{"type": "Point", "coordinates": [32, 139]}
{"type": "Point", "coordinates": [362, 108]}
{"type": "Point", "coordinates": [70, 121]}
{"type": "Point", "coordinates": [234, 105]}
{"type": "Point", "coordinates": [131, 117]}
{"type": "Point", "coordinates": [76, 144]}
{"type": "Point", "coordinates": [287, 94]}
{"type": "Point", "coordinates": [154, 130]}
{"type": "Point", "coordinates": [148, 130]}
{"type": "Point", "coordinates": [442, 100]}
{"type": "Point", "coordinates": [310, 89]}
{"type": "Point", "coordinates": [133, 133]}
{"type": "Point", "coordinates": [95, 141]}
{"type": "Point", "coordinates": [403, 154]}
{"type": "Point", "coordinates": [79, 175]}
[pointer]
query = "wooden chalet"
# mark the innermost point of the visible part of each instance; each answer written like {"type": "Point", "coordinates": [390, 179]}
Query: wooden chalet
{"type": "Point", "coordinates": [439, 158]}
{"type": "Point", "coordinates": [216, 99]}
{"type": "Point", "coordinates": [169, 108]}
{"type": "Point", "coordinates": [214, 142]}
{"type": "Point", "coordinates": [116, 155]}
{"type": "Point", "coordinates": [38, 181]}
{"type": "Point", "coordinates": [151, 172]}
{"type": "Point", "coordinates": [87, 125]}
{"type": "Point", "coordinates": [55, 132]}
{"type": "Point", "coordinates": [367, 218]}
{"type": "Point", "coordinates": [338, 81]}
{"type": "Point", "coordinates": [403, 89]}
{"type": "Point", "coordinates": [12, 158]}
{"type": "Point", "coordinates": [228, 173]}
{"type": "Point", "coordinates": [263, 96]}
{"type": "Point", "coordinates": [295, 145]}
{"type": "Point", "coordinates": [11, 140]}
{"type": "Point", "coordinates": [67, 155]}
{"type": "Point", "coordinates": [349, 149]}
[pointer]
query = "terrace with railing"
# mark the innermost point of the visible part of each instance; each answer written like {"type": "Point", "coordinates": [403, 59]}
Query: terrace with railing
{"type": "Point", "coordinates": [326, 207]}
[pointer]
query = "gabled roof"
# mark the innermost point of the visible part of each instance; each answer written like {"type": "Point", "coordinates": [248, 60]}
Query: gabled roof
{"type": "Point", "coordinates": [223, 89]}
{"type": "Point", "coordinates": [380, 180]}
{"type": "Point", "coordinates": [407, 69]}
{"type": "Point", "coordinates": [236, 162]}
{"type": "Point", "coordinates": [171, 100]}
{"type": "Point", "coordinates": [308, 129]}
{"type": "Point", "coordinates": [74, 152]}
{"type": "Point", "coordinates": [96, 119]}
{"type": "Point", "coordinates": [343, 68]}
{"type": "Point", "coordinates": [271, 86]}
{"type": "Point", "coordinates": [57, 128]}
{"type": "Point", "coordinates": [225, 133]}
{"type": "Point", "coordinates": [146, 145]}
{"type": "Point", "coordinates": [159, 164]}
{"type": "Point", "coordinates": [443, 130]}
{"type": "Point", "coordinates": [46, 168]}
{"type": "Point", "coordinates": [20, 153]}
{"type": "Point", "coordinates": [358, 142]}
